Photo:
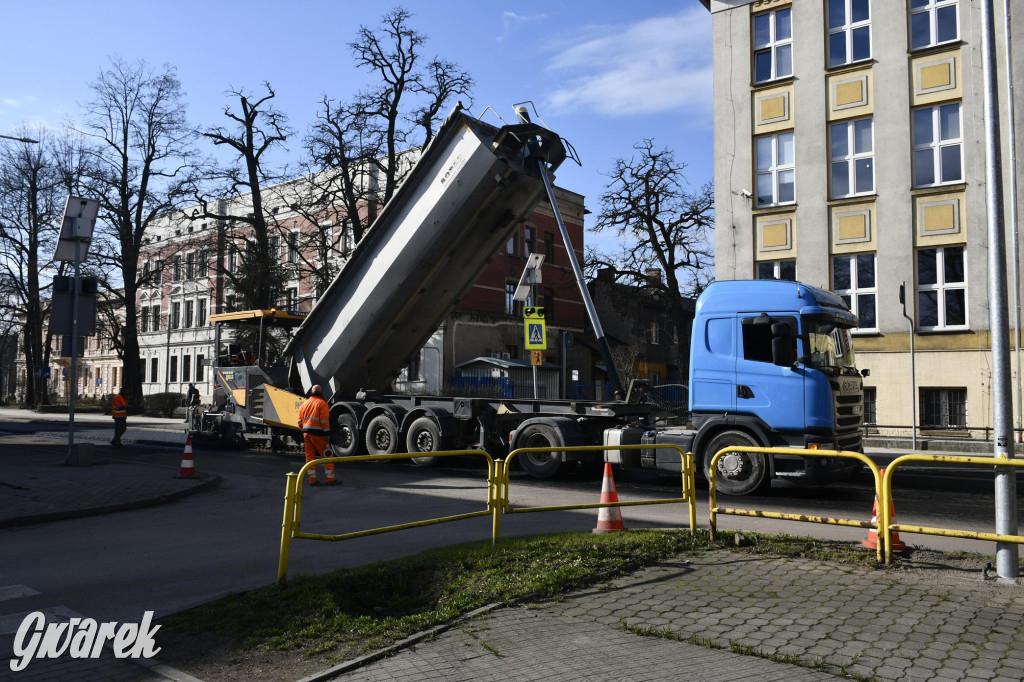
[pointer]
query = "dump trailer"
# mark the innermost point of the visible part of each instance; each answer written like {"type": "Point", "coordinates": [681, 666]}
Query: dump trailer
{"type": "Point", "coordinates": [764, 370]}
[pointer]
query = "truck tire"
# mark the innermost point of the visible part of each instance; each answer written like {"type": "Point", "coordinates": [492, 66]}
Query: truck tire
{"type": "Point", "coordinates": [540, 464]}
{"type": "Point", "coordinates": [344, 435]}
{"type": "Point", "coordinates": [381, 436]}
{"type": "Point", "coordinates": [739, 473]}
{"type": "Point", "coordinates": [423, 436]}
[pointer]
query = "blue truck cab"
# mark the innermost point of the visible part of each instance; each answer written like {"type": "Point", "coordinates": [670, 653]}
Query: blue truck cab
{"type": "Point", "coordinates": [772, 364]}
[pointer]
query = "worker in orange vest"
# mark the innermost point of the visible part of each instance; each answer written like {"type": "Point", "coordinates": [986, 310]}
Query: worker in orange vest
{"type": "Point", "coordinates": [120, 414]}
{"type": "Point", "coordinates": [315, 422]}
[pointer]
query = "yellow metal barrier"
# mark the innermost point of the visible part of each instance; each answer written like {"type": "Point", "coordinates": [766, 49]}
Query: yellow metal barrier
{"type": "Point", "coordinates": [687, 470]}
{"type": "Point", "coordinates": [846, 454]}
{"type": "Point", "coordinates": [497, 495]}
{"type": "Point", "coordinates": [293, 502]}
{"type": "Point", "coordinates": [885, 500]}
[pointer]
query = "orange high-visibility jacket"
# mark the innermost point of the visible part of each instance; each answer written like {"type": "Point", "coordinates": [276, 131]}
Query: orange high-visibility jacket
{"type": "Point", "coordinates": [315, 416]}
{"type": "Point", "coordinates": [120, 408]}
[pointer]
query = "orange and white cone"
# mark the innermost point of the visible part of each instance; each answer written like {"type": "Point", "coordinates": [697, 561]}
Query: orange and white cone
{"type": "Point", "coordinates": [188, 467]}
{"type": "Point", "coordinates": [609, 519]}
{"type": "Point", "coordinates": [872, 541]}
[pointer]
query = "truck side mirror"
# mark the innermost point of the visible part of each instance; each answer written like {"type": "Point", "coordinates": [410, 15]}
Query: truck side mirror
{"type": "Point", "coordinates": [783, 345]}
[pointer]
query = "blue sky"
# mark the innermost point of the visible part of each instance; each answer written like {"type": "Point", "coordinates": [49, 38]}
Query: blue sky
{"type": "Point", "coordinates": [604, 74]}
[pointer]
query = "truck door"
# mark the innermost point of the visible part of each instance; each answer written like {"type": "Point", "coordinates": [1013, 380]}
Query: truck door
{"type": "Point", "coordinates": [772, 392]}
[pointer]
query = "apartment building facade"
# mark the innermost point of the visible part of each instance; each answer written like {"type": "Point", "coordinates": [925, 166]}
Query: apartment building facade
{"type": "Point", "coordinates": [849, 154]}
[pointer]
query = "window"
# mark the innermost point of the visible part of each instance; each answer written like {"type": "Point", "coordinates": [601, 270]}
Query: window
{"type": "Point", "coordinates": [549, 248]}
{"type": "Point", "coordinates": [189, 311]}
{"type": "Point", "coordinates": [232, 257]}
{"type": "Point", "coordinates": [293, 247]}
{"type": "Point", "coordinates": [933, 22]}
{"type": "Point", "coordinates": [412, 370]}
{"type": "Point", "coordinates": [529, 240]}
{"type": "Point", "coordinates": [870, 405]}
{"type": "Point", "coordinates": [849, 31]}
{"type": "Point", "coordinates": [200, 359]}
{"type": "Point", "coordinates": [172, 372]}
{"type": "Point", "coordinates": [203, 264]}
{"type": "Point", "coordinates": [938, 147]}
{"type": "Point", "coordinates": [510, 245]}
{"type": "Point", "coordinates": [175, 315]}
{"type": "Point", "coordinates": [941, 288]}
{"type": "Point", "coordinates": [773, 45]}
{"type": "Point", "coordinates": [777, 269]}
{"type": "Point", "coordinates": [230, 303]}
{"type": "Point", "coordinates": [853, 278]}
{"type": "Point", "coordinates": [176, 276]}
{"type": "Point", "coordinates": [852, 154]}
{"type": "Point", "coordinates": [158, 273]}
{"type": "Point", "coordinates": [291, 296]}
{"type": "Point", "coordinates": [144, 319]}
{"type": "Point", "coordinates": [655, 334]}
{"type": "Point", "coordinates": [154, 374]}
{"type": "Point", "coordinates": [757, 339]}
{"type": "Point", "coordinates": [201, 315]}
{"type": "Point", "coordinates": [549, 304]}
{"type": "Point", "coordinates": [944, 408]}
{"type": "Point", "coordinates": [155, 316]}
{"type": "Point", "coordinates": [190, 265]}
{"type": "Point", "coordinates": [186, 368]}
{"type": "Point", "coordinates": [145, 271]}
{"type": "Point", "coordinates": [510, 301]}
{"type": "Point", "coordinates": [775, 169]}
{"type": "Point", "coordinates": [274, 248]}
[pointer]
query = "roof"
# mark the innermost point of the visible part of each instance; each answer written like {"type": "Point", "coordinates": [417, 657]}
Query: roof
{"type": "Point", "coordinates": [280, 318]}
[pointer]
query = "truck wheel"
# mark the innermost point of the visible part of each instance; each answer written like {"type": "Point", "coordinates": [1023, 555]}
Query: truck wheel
{"type": "Point", "coordinates": [423, 436]}
{"type": "Point", "coordinates": [345, 436]}
{"type": "Point", "coordinates": [539, 464]}
{"type": "Point", "coordinates": [739, 473]}
{"type": "Point", "coordinates": [381, 436]}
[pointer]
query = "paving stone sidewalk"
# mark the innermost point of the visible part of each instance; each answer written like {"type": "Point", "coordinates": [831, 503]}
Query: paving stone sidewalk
{"type": "Point", "coordinates": [748, 614]}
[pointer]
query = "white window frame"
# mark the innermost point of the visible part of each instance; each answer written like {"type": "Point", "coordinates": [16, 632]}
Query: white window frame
{"type": "Point", "coordinates": [773, 45]}
{"type": "Point", "coordinates": [941, 287]}
{"type": "Point", "coordinates": [936, 144]}
{"type": "Point", "coordinates": [292, 245]}
{"type": "Point", "coordinates": [777, 268]}
{"type": "Point", "coordinates": [851, 158]}
{"type": "Point", "coordinates": [774, 168]}
{"type": "Point", "coordinates": [853, 293]}
{"type": "Point", "coordinates": [932, 9]}
{"type": "Point", "coordinates": [847, 28]}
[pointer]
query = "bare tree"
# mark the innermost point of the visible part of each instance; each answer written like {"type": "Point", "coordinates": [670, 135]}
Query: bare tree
{"type": "Point", "coordinates": [236, 194]}
{"type": "Point", "coordinates": [355, 149]}
{"type": "Point", "coordinates": [35, 180]}
{"type": "Point", "coordinates": [140, 146]}
{"type": "Point", "coordinates": [661, 226]}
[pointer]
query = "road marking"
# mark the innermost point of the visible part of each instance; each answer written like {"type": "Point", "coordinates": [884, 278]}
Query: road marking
{"type": "Point", "coordinates": [16, 592]}
{"type": "Point", "coordinates": [58, 614]}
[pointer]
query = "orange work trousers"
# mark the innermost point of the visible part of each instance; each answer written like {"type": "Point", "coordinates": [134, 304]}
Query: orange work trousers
{"type": "Point", "coordinates": [314, 447]}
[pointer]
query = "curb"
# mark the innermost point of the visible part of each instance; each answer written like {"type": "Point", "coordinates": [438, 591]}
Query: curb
{"type": "Point", "coordinates": [110, 508]}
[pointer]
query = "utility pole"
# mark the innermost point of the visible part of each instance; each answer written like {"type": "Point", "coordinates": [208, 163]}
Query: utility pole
{"type": "Point", "coordinates": [1002, 395]}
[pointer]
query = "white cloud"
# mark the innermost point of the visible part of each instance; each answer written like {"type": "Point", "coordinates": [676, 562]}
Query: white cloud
{"type": "Point", "coordinates": [650, 66]}
{"type": "Point", "coordinates": [511, 21]}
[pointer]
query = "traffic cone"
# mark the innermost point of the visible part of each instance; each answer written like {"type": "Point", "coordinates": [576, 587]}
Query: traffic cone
{"type": "Point", "coordinates": [872, 541]}
{"type": "Point", "coordinates": [609, 519]}
{"type": "Point", "coordinates": [188, 469]}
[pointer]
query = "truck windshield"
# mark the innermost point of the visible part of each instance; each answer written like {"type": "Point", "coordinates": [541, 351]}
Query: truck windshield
{"type": "Point", "coordinates": [830, 347]}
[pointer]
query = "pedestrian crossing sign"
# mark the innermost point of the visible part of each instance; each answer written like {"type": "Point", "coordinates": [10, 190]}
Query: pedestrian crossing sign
{"type": "Point", "coordinates": [535, 332]}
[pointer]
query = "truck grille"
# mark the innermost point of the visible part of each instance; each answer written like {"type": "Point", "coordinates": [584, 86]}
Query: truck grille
{"type": "Point", "coordinates": [849, 417]}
